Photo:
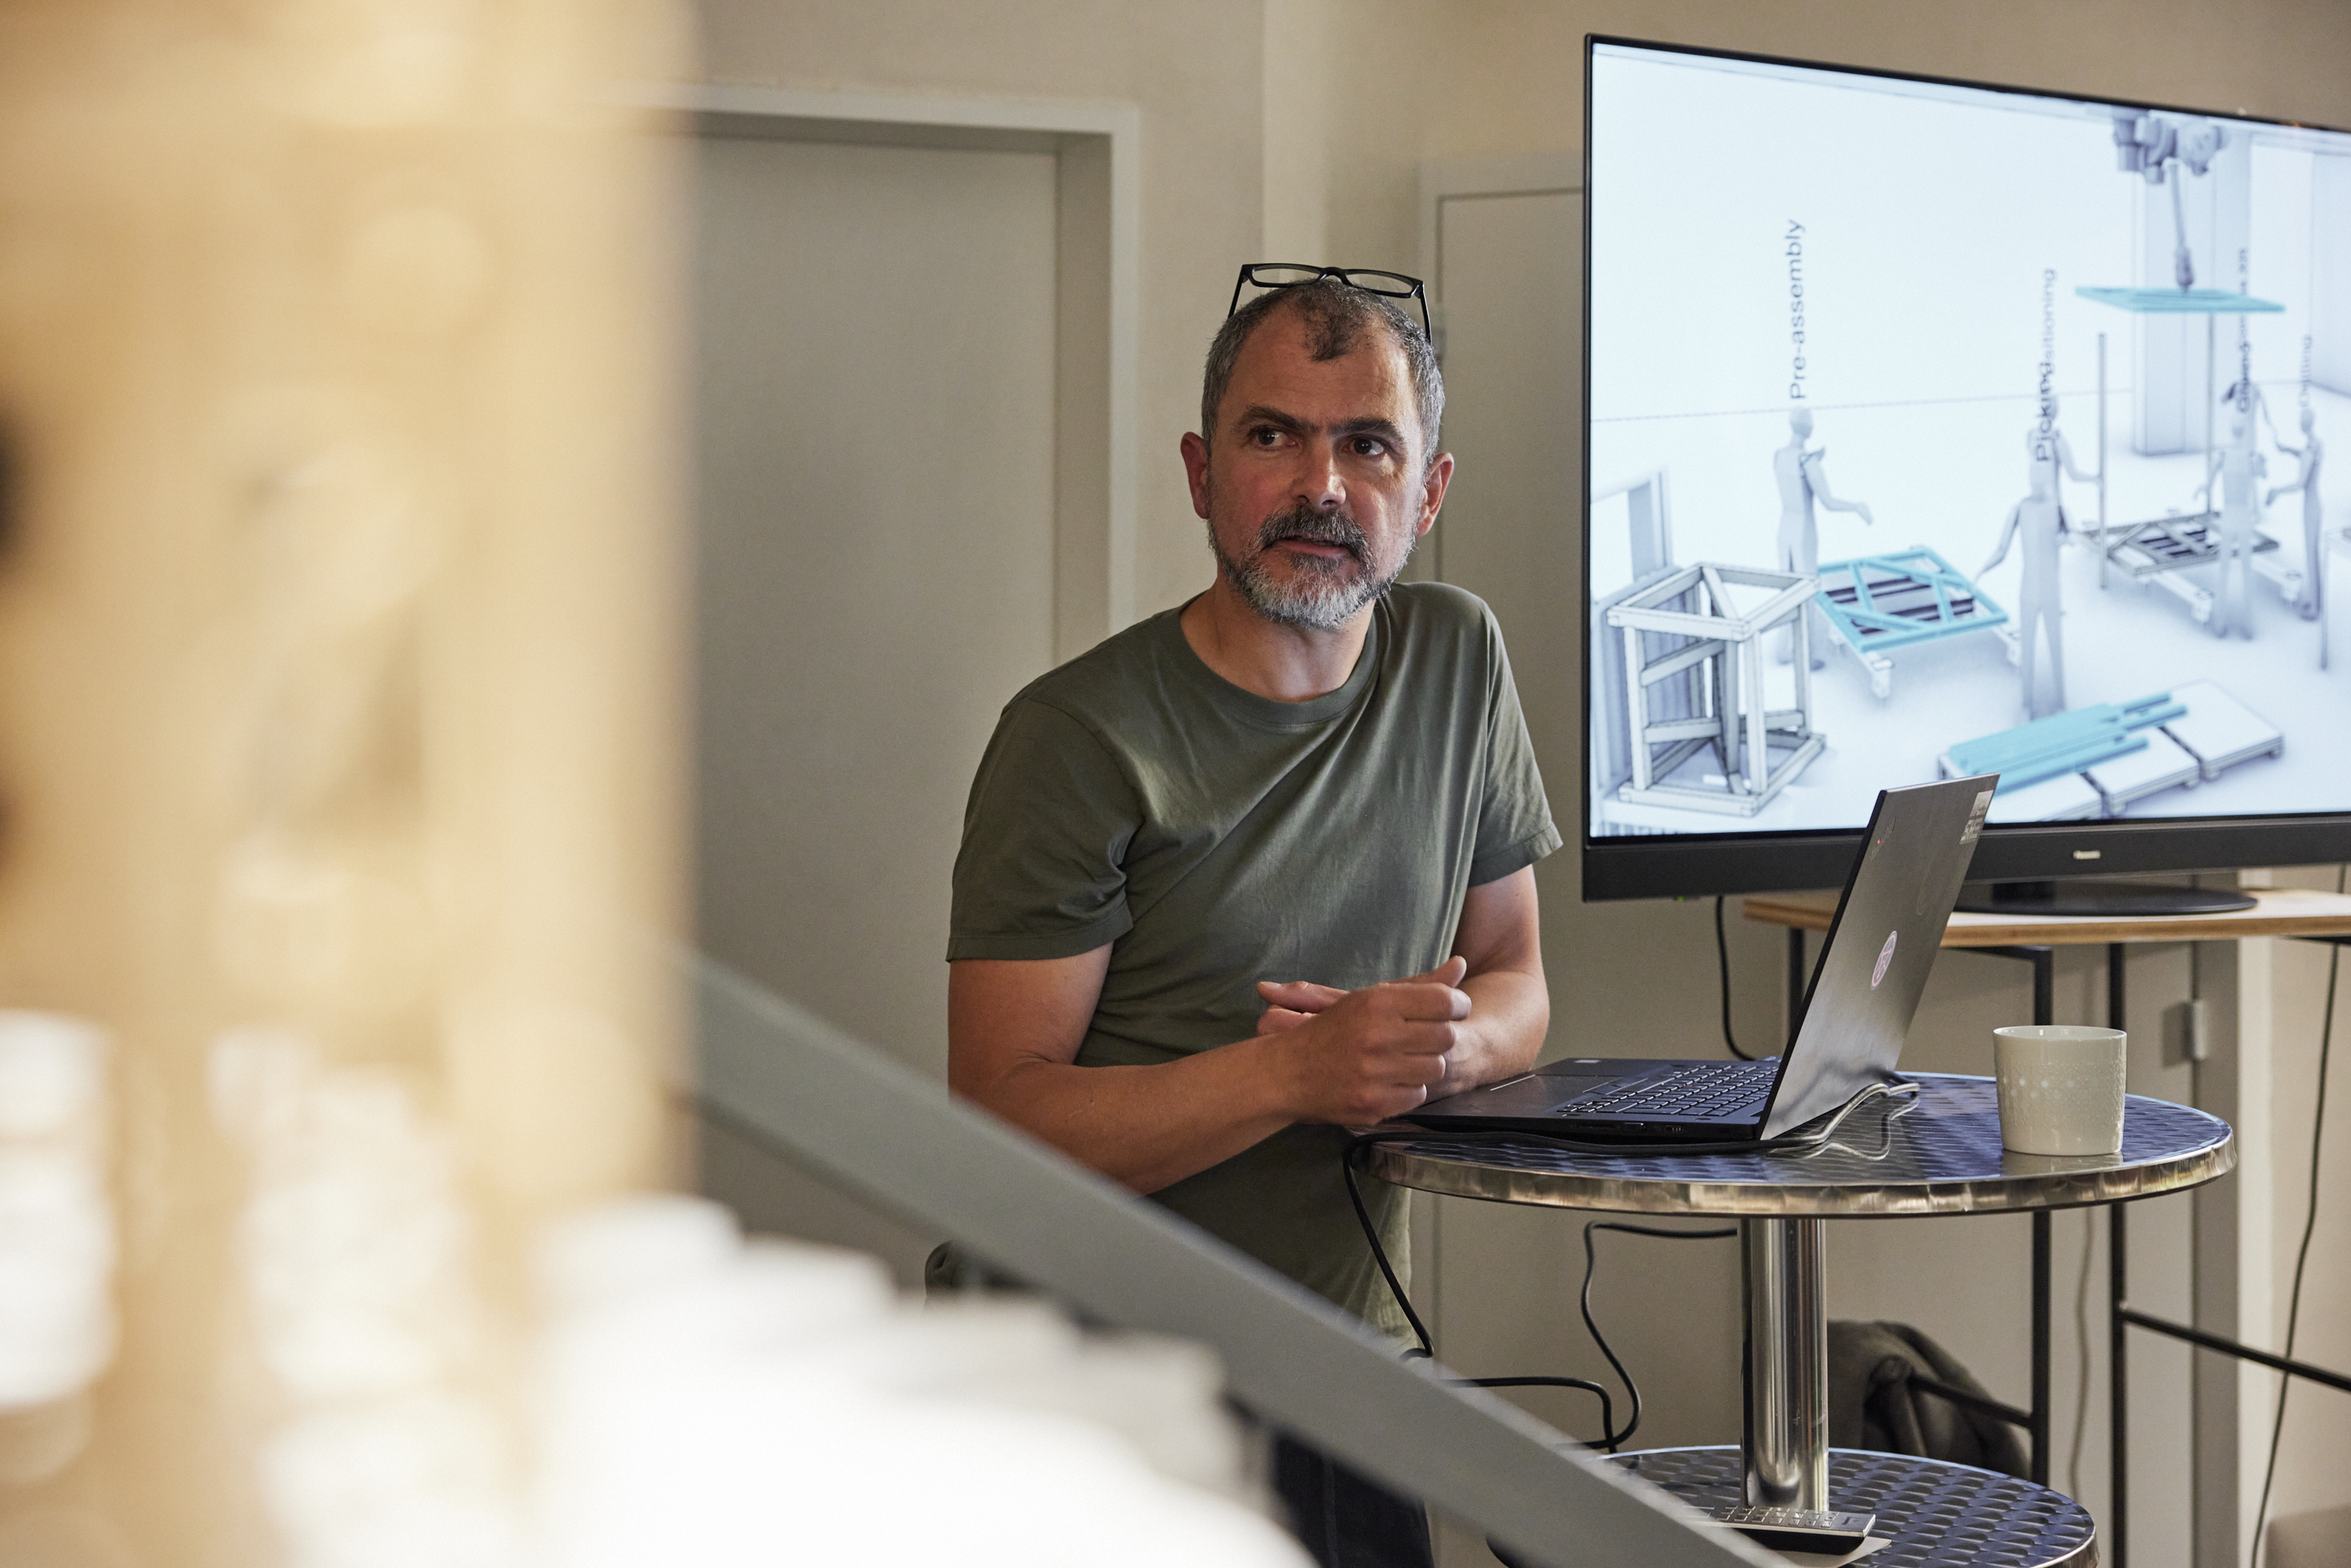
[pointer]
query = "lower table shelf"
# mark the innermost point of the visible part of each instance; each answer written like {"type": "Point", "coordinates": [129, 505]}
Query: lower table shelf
{"type": "Point", "coordinates": [1932, 1513]}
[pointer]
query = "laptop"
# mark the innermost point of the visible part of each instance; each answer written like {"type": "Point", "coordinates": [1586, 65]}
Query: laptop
{"type": "Point", "coordinates": [1864, 991]}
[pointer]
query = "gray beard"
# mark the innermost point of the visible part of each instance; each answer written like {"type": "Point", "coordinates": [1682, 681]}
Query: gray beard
{"type": "Point", "coordinates": [1321, 595]}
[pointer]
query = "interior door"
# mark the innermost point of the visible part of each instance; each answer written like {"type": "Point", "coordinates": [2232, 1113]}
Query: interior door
{"type": "Point", "coordinates": [874, 342]}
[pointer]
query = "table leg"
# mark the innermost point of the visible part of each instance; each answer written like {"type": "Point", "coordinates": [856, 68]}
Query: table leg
{"type": "Point", "coordinates": [2039, 1463]}
{"type": "Point", "coordinates": [1785, 1445]}
{"type": "Point", "coordinates": [2117, 1331]}
{"type": "Point", "coordinates": [2119, 1391]}
{"type": "Point", "coordinates": [2045, 1011]}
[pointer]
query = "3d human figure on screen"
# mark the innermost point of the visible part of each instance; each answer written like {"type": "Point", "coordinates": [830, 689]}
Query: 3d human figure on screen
{"type": "Point", "coordinates": [1804, 481]}
{"type": "Point", "coordinates": [2040, 520]}
{"type": "Point", "coordinates": [2047, 452]}
{"type": "Point", "coordinates": [2238, 468]}
{"type": "Point", "coordinates": [2313, 603]}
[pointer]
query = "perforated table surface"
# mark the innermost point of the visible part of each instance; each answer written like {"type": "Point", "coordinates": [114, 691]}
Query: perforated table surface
{"type": "Point", "coordinates": [1931, 1513]}
{"type": "Point", "coordinates": [1938, 1154]}
{"type": "Point", "coordinates": [1942, 1155]}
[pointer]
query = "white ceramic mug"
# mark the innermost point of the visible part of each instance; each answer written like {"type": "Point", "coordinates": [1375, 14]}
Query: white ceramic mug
{"type": "Point", "coordinates": [2061, 1088]}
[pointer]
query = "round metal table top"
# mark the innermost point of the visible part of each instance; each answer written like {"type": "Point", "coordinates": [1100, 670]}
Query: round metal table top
{"type": "Point", "coordinates": [1939, 1155]}
{"type": "Point", "coordinates": [1929, 1512]}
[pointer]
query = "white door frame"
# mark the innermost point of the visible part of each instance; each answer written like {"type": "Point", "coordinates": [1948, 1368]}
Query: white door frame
{"type": "Point", "coordinates": [1097, 151]}
{"type": "Point", "coordinates": [1444, 180]}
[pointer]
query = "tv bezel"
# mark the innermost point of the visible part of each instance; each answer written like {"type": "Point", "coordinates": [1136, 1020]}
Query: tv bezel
{"type": "Point", "coordinates": [1685, 864]}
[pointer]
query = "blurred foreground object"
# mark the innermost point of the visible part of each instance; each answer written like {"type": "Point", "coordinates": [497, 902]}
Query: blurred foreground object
{"type": "Point", "coordinates": [708, 1403]}
{"type": "Point", "coordinates": [57, 1228]}
{"type": "Point", "coordinates": [56, 1241]}
{"type": "Point", "coordinates": [338, 679]}
{"type": "Point", "coordinates": [338, 721]}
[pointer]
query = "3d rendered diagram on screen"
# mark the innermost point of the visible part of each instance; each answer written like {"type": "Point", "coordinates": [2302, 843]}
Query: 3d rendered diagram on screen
{"type": "Point", "coordinates": [2151, 310]}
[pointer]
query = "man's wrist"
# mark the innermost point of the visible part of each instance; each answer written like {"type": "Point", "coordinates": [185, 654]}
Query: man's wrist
{"type": "Point", "coordinates": [1273, 1068]}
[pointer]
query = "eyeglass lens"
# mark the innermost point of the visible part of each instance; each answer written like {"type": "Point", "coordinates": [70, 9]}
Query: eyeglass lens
{"type": "Point", "coordinates": [1281, 274]}
{"type": "Point", "coordinates": [1389, 283]}
{"type": "Point", "coordinates": [1285, 275]}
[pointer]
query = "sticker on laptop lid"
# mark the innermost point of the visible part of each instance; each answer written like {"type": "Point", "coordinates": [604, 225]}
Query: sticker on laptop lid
{"type": "Point", "coordinates": [1974, 830]}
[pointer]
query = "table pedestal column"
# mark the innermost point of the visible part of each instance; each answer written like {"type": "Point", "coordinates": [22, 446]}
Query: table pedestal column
{"type": "Point", "coordinates": [1785, 1442]}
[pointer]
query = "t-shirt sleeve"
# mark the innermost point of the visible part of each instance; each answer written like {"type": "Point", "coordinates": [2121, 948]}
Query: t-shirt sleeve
{"type": "Point", "coordinates": [1514, 825]}
{"type": "Point", "coordinates": [1050, 816]}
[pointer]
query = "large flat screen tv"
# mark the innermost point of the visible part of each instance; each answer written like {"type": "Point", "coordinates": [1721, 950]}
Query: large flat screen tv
{"type": "Point", "coordinates": [1936, 428]}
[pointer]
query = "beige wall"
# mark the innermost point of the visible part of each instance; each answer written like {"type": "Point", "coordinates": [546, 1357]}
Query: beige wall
{"type": "Point", "coordinates": [1193, 69]}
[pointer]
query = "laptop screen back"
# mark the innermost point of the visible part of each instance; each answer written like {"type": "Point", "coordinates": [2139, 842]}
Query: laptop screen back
{"type": "Point", "coordinates": [1881, 947]}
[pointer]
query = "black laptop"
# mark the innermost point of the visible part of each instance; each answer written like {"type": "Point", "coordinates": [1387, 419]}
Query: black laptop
{"type": "Point", "coordinates": [1872, 970]}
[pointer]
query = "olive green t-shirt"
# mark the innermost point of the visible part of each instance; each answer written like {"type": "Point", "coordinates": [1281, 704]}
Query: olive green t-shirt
{"type": "Point", "coordinates": [1215, 838]}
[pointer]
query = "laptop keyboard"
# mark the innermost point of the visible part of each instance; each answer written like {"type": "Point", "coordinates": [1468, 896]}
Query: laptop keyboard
{"type": "Point", "coordinates": [1702, 1091]}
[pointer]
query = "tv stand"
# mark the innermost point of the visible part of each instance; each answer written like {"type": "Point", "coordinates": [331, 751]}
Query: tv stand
{"type": "Point", "coordinates": [2112, 899]}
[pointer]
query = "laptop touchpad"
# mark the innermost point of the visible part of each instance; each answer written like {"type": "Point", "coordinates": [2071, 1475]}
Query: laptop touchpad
{"type": "Point", "coordinates": [1578, 1081]}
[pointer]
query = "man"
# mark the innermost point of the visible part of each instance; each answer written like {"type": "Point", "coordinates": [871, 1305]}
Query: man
{"type": "Point", "coordinates": [1260, 869]}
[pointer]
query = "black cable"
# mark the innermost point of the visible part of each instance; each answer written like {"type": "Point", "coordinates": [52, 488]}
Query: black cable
{"type": "Point", "coordinates": [1722, 954]}
{"type": "Point", "coordinates": [1426, 1350]}
{"type": "Point", "coordinates": [1609, 1437]}
{"type": "Point", "coordinates": [2309, 1227]}
{"type": "Point", "coordinates": [1591, 1325]}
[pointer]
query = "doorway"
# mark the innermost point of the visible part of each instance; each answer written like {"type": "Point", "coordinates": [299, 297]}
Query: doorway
{"type": "Point", "coordinates": [900, 521]}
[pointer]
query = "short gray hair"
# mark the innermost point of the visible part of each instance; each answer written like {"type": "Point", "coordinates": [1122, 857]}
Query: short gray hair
{"type": "Point", "coordinates": [1336, 316]}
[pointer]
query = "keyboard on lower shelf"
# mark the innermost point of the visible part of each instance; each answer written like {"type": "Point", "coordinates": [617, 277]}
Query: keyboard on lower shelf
{"type": "Point", "coordinates": [1797, 1528]}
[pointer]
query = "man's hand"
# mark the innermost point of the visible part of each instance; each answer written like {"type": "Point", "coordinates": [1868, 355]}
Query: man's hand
{"type": "Point", "coordinates": [1359, 1057]}
{"type": "Point", "coordinates": [1496, 965]}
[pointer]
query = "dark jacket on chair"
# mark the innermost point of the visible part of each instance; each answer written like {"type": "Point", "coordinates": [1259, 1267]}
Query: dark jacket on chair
{"type": "Point", "coordinates": [1876, 1401]}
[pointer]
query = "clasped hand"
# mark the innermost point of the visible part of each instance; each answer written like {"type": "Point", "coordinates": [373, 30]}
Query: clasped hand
{"type": "Point", "coordinates": [1360, 1057]}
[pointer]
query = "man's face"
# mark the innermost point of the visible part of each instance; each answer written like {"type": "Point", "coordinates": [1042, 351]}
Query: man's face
{"type": "Point", "coordinates": [1313, 487]}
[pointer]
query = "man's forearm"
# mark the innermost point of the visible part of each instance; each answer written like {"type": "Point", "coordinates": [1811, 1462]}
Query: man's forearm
{"type": "Point", "coordinates": [1148, 1127]}
{"type": "Point", "coordinates": [1366, 1056]}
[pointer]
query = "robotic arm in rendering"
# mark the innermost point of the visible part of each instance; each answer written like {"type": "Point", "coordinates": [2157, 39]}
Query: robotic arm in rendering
{"type": "Point", "coordinates": [2160, 148]}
